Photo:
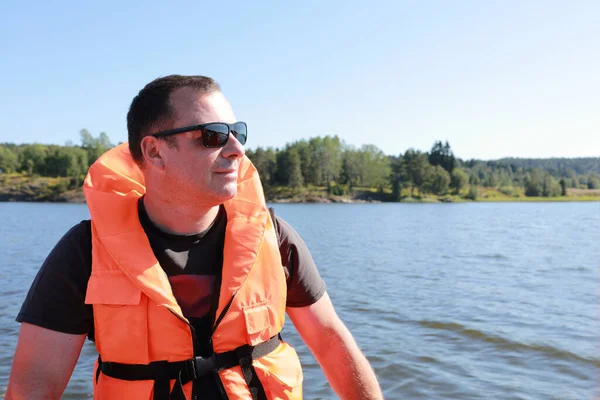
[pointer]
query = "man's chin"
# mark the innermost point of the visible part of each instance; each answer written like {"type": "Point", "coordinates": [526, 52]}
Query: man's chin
{"type": "Point", "coordinates": [227, 192]}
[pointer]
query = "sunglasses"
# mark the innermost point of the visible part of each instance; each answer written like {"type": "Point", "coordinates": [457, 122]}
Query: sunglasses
{"type": "Point", "coordinates": [214, 134]}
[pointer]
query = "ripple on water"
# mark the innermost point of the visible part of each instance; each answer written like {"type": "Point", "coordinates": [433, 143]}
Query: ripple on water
{"type": "Point", "coordinates": [507, 344]}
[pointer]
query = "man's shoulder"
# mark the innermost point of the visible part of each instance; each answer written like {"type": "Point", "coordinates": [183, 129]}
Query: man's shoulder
{"type": "Point", "coordinates": [79, 235]}
{"type": "Point", "coordinates": [280, 225]}
{"type": "Point", "coordinates": [83, 228]}
{"type": "Point", "coordinates": [286, 234]}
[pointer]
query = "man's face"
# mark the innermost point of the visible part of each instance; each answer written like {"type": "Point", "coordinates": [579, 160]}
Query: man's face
{"type": "Point", "coordinates": [192, 173]}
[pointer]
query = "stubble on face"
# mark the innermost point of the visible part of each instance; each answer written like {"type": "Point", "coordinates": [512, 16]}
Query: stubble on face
{"type": "Point", "coordinates": [195, 173]}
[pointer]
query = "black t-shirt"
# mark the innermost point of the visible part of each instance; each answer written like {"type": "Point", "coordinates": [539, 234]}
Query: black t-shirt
{"type": "Point", "coordinates": [193, 264]}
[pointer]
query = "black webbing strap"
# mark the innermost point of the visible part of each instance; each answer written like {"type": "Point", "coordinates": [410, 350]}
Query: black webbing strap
{"type": "Point", "coordinates": [245, 355]}
{"type": "Point", "coordinates": [162, 372]}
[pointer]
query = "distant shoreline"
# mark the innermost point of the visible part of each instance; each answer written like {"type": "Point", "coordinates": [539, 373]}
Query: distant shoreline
{"type": "Point", "coordinates": [77, 197]}
{"type": "Point", "coordinates": [23, 188]}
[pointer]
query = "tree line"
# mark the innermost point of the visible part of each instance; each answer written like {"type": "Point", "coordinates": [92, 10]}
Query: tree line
{"type": "Point", "coordinates": [582, 165]}
{"type": "Point", "coordinates": [54, 160]}
{"type": "Point", "coordinates": [340, 168]}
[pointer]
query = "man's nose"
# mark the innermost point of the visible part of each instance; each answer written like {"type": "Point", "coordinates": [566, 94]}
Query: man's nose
{"type": "Point", "coordinates": [233, 148]}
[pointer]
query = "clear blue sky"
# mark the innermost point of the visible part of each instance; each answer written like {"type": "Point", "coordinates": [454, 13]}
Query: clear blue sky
{"type": "Point", "coordinates": [495, 79]}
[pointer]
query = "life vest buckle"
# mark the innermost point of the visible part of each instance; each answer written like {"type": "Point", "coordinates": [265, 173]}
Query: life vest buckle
{"type": "Point", "coordinates": [244, 355]}
{"type": "Point", "coordinates": [199, 366]}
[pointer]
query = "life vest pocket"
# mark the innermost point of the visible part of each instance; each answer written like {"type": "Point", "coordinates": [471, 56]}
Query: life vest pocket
{"type": "Point", "coordinates": [258, 322]}
{"type": "Point", "coordinates": [120, 317]}
{"type": "Point", "coordinates": [112, 288]}
{"type": "Point", "coordinates": [281, 373]}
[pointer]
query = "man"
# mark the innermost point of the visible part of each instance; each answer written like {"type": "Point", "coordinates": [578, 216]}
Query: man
{"type": "Point", "coordinates": [183, 276]}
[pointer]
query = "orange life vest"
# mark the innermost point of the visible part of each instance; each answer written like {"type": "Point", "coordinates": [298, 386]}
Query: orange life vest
{"type": "Point", "coordinates": [144, 342]}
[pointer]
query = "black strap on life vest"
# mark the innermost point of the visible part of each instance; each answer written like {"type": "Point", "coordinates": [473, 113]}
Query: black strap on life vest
{"type": "Point", "coordinates": [161, 372]}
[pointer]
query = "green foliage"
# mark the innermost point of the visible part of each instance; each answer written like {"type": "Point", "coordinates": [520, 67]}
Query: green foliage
{"type": "Point", "coordinates": [376, 169]}
{"type": "Point", "coordinates": [572, 178]}
{"type": "Point", "coordinates": [415, 169]}
{"type": "Point", "coordinates": [337, 190]}
{"type": "Point", "coordinates": [368, 166]}
{"type": "Point", "coordinates": [52, 160]}
{"type": "Point", "coordinates": [509, 191]}
{"type": "Point", "coordinates": [550, 187]}
{"type": "Point", "coordinates": [265, 162]}
{"type": "Point", "coordinates": [327, 159]}
{"type": "Point", "coordinates": [305, 151]}
{"type": "Point", "coordinates": [563, 187]}
{"type": "Point", "coordinates": [491, 181]}
{"type": "Point", "coordinates": [459, 179]}
{"type": "Point", "coordinates": [533, 184]}
{"type": "Point", "coordinates": [555, 166]}
{"type": "Point", "coordinates": [65, 161]}
{"type": "Point", "coordinates": [593, 181]}
{"type": "Point", "coordinates": [542, 183]}
{"type": "Point", "coordinates": [9, 161]}
{"type": "Point", "coordinates": [289, 169]}
{"type": "Point", "coordinates": [295, 178]}
{"type": "Point", "coordinates": [62, 186]}
{"type": "Point", "coordinates": [473, 193]}
{"type": "Point", "coordinates": [352, 167]}
{"type": "Point", "coordinates": [33, 158]}
{"type": "Point", "coordinates": [29, 166]}
{"type": "Point", "coordinates": [441, 155]}
{"type": "Point", "coordinates": [396, 177]}
{"type": "Point", "coordinates": [437, 181]}
{"type": "Point", "coordinates": [94, 146]}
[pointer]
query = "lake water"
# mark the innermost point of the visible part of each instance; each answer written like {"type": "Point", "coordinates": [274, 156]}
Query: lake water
{"type": "Point", "coordinates": [448, 301]}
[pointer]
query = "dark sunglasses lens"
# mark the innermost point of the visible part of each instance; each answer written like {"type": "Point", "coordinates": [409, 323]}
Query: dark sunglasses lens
{"type": "Point", "coordinates": [215, 135]}
{"type": "Point", "coordinates": [240, 131]}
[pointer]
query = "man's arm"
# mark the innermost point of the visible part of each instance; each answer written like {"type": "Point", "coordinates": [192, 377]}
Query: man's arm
{"type": "Point", "coordinates": [43, 363]}
{"type": "Point", "coordinates": [344, 365]}
{"type": "Point", "coordinates": [54, 320]}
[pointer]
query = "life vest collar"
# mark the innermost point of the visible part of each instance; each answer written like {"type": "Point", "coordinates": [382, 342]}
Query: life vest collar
{"type": "Point", "coordinates": [114, 182]}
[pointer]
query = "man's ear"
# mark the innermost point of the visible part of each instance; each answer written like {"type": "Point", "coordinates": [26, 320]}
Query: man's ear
{"type": "Point", "coordinates": [151, 148]}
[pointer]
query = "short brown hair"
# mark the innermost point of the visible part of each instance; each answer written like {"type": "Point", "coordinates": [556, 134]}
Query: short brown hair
{"type": "Point", "coordinates": [151, 110]}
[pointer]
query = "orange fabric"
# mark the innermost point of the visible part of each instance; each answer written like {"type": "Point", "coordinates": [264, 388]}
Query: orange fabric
{"type": "Point", "coordinates": [137, 319]}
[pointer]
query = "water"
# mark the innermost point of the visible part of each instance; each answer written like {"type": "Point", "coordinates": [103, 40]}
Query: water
{"type": "Point", "coordinates": [448, 301]}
